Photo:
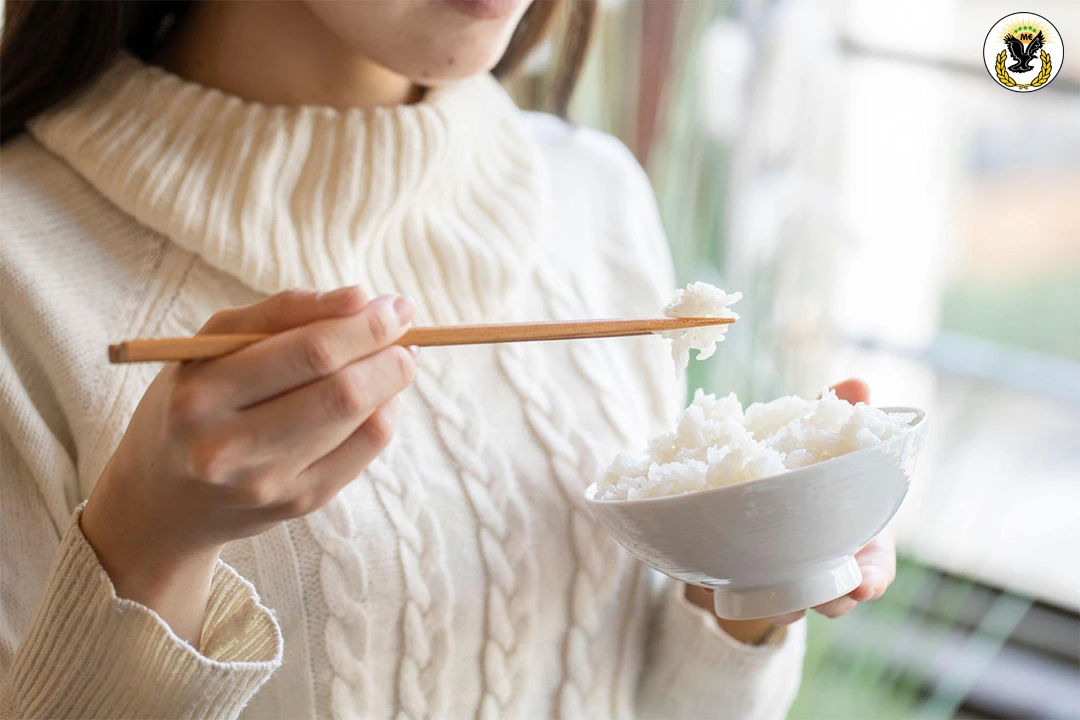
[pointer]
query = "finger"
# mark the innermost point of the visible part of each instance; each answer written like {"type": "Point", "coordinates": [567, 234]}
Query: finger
{"type": "Point", "coordinates": [302, 355]}
{"type": "Point", "coordinates": [836, 608]}
{"type": "Point", "coordinates": [873, 585]}
{"type": "Point", "coordinates": [286, 310]}
{"type": "Point", "coordinates": [788, 619]}
{"type": "Point", "coordinates": [297, 428]}
{"type": "Point", "coordinates": [854, 391]}
{"type": "Point", "coordinates": [326, 477]}
{"type": "Point", "coordinates": [879, 553]}
{"type": "Point", "coordinates": [877, 561]}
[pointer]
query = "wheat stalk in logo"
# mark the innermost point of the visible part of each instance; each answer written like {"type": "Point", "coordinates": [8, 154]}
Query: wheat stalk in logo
{"type": "Point", "coordinates": [1005, 79]}
{"type": "Point", "coordinates": [1002, 74]}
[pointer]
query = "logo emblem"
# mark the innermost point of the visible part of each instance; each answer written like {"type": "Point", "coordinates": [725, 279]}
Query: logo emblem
{"type": "Point", "coordinates": [1023, 52]}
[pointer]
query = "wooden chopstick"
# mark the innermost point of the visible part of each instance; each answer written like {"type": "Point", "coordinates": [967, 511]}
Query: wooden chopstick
{"type": "Point", "coordinates": [201, 347]}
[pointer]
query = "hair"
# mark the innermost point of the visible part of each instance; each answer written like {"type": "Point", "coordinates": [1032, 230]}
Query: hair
{"type": "Point", "coordinates": [51, 49]}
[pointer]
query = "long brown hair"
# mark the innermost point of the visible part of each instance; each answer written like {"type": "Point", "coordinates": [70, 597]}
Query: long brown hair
{"type": "Point", "coordinates": [53, 48]}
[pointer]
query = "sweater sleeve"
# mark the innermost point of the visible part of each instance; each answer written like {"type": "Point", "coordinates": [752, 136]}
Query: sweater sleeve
{"type": "Point", "coordinates": [693, 669]}
{"type": "Point", "coordinates": [69, 647]}
{"type": "Point", "coordinates": [89, 653]}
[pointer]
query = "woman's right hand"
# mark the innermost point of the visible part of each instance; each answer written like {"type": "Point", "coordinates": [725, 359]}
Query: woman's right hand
{"type": "Point", "coordinates": [226, 448]}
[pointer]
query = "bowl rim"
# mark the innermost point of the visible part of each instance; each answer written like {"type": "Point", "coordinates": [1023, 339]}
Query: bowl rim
{"type": "Point", "coordinates": [796, 474]}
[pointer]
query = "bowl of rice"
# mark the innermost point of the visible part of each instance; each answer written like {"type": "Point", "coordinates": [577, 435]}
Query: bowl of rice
{"type": "Point", "coordinates": [766, 506]}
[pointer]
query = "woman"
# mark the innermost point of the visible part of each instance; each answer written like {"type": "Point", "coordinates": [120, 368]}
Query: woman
{"type": "Point", "coordinates": [178, 167]}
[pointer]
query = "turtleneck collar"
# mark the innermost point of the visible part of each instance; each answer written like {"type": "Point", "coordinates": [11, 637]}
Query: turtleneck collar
{"type": "Point", "coordinates": [441, 200]}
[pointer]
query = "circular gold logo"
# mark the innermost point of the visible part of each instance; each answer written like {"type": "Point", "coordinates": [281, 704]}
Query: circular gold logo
{"type": "Point", "coordinates": [1023, 52]}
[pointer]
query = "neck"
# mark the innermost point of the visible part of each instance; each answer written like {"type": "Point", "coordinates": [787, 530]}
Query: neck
{"type": "Point", "coordinates": [278, 53]}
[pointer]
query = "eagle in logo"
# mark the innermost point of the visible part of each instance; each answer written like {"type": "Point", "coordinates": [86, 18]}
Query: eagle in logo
{"type": "Point", "coordinates": [1023, 54]}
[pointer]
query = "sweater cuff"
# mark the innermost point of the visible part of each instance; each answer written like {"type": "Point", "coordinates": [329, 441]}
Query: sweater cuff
{"type": "Point", "coordinates": [89, 653]}
{"type": "Point", "coordinates": [696, 622]}
{"type": "Point", "coordinates": [698, 670]}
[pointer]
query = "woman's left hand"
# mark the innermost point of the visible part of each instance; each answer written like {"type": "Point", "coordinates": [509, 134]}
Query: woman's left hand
{"type": "Point", "coordinates": [877, 560]}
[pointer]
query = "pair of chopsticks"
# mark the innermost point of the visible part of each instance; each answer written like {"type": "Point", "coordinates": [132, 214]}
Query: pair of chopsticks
{"type": "Point", "coordinates": [202, 347]}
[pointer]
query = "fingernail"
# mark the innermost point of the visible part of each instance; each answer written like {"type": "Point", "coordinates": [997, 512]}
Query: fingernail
{"type": "Point", "coordinates": [405, 309]}
{"type": "Point", "coordinates": [415, 350]}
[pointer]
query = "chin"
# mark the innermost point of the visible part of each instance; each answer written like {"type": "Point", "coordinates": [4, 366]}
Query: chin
{"type": "Point", "coordinates": [427, 41]}
{"type": "Point", "coordinates": [448, 65]}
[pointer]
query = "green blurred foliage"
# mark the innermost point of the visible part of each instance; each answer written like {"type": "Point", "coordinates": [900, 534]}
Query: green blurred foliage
{"type": "Point", "coordinates": [1038, 315]}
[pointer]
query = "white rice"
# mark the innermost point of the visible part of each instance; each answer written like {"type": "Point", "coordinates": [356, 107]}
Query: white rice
{"type": "Point", "coordinates": [698, 300]}
{"type": "Point", "coordinates": [715, 443]}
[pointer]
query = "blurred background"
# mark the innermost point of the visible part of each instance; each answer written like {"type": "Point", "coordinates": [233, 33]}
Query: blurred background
{"type": "Point", "coordinates": [890, 213]}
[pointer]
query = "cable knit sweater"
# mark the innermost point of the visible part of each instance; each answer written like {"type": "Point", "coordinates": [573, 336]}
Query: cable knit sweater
{"type": "Point", "coordinates": [460, 575]}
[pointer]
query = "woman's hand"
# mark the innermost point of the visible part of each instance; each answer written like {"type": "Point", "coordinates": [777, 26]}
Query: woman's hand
{"type": "Point", "coordinates": [877, 560]}
{"type": "Point", "coordinates": [226, 448]}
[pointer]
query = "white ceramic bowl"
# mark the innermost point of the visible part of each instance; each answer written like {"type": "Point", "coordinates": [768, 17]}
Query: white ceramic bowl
{"type": "Point", "coordinates": [778, 544]}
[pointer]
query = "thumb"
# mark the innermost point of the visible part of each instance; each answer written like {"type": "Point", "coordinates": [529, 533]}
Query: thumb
{"type": "Point", "coordinates": [287, 310]}
{"type": "Point", "coordinates": [854, 391]}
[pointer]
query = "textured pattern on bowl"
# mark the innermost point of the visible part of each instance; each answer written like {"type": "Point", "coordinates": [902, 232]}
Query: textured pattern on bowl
{"type": "Point", "coordinates": [776, 544]}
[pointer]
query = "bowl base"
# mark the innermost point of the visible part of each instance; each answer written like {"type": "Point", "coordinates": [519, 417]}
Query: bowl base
{"type": "Point", "coordinates": [815, 584]}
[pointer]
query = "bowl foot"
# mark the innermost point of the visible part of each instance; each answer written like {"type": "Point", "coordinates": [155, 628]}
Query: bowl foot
{"type": "Point", "coordinates": [814, 584]}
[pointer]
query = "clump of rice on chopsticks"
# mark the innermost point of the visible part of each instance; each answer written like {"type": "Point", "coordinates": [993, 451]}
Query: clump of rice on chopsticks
{"type": "Point", "coordinates": [701, 300]}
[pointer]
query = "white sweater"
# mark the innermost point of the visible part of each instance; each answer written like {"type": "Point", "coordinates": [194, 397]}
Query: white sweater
{"type": "Point", "coordinates": [460, 575]}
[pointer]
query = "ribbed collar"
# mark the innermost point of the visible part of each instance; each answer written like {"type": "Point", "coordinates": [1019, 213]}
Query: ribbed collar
{"type": "Point", "coordinates": [441, 200]}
